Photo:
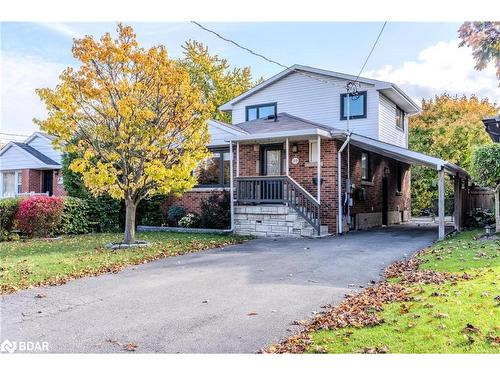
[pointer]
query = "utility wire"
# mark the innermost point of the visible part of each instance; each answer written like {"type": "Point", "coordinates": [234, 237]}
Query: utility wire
{"type": "Point", "coordinates": [371, 51]}
{"type": "Point", "coordinates": [262, 56]}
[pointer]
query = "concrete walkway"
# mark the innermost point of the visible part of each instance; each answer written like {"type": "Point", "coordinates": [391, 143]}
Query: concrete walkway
{"type": "Point", "coordinates": [237, 299]}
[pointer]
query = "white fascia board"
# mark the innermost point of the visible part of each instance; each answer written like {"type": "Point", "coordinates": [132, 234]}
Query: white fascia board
{"type": "Point", "coordinates": [37, 134]}
{"type": "Point", "coordinates": [284, 134]}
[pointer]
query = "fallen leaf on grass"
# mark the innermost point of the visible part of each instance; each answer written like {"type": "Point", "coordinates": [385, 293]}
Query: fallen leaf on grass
{"type": "Point", "coordinates": [469, 328]}
{"type": "Point", "coordinates": [375, 350]}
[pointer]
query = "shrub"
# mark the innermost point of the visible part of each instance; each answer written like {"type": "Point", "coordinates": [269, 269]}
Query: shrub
{"type": "Point", "coordinates": [216, 211]}
{"type": "Point", "coordinates": [75, 216]}
{"type": "Point", "coordinates": [8, 209]}
{"type": "Point", "coordinates": [39, 215]}
{"type": "Point", "coordinates": [190, 221]}
{"type": "Point", "coordinates": [480, 217]}
{"type": "Point", "coordinates": [150, 212]}
{"type": "Point", "coordinates": [175, 213]}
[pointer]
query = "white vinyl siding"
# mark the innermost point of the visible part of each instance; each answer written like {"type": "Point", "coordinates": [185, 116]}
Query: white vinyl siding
{"type": "Point", "coordinates": [45, 147]}
{"type": "Point", "coordinates": [388, 131]}
{"type": "Point", "coordinates": [15, 158]}
{"type": "Point", "coordinates": [308, 98]}
{"type": "Point", "coordinates": [219, 134]}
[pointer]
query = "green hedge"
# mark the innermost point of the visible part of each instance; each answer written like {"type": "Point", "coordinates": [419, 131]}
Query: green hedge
{"type": "Point", "coordinates": [75, 218]}
{"type": "Point", "coordinates": [8, 209]}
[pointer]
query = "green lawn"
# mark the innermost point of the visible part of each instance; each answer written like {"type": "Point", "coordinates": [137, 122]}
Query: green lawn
{"type": "Point", "coordinates": [44, 262]}
{"type": "Point", "coordinates": [436, 320]}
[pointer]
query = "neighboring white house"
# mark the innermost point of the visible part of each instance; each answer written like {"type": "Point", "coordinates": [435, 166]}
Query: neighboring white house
{"type": "Point", "coordinates": [30, 167]}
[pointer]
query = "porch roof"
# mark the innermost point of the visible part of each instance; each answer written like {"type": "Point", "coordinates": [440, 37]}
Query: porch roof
{"type": "Point", "coordinates": [283, 126]}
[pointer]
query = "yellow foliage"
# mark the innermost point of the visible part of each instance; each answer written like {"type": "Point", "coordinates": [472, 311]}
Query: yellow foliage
{"type": "Point", "coordinates": [131, 114]}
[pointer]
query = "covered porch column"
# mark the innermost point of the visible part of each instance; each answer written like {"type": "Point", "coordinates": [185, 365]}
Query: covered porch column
{"type": "Point", "coordinates": [318, 158]}
{"type": "Point", "coordinates": [441, 203]}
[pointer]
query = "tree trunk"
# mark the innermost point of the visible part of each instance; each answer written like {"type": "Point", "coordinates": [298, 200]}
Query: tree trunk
{"type": "Point", "coordinates": [130, 208]}
{"type": "Point", "coordinates": [497, 208]}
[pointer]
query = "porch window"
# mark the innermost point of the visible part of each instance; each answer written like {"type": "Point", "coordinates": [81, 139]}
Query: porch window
{"type": "Point", "coordinates": [365, 166]}
{"type": "Point", "coordinates": [214, 170]}
{"type": "Point", "coordinates": [400, 118]}
{"type": "Point", "coordinates": [11, 183]}
{"type": "Point", "coordinates": [313, 151]}
{"type": "Point", "coordinates": [357, 106]}
{"type": "Point", "coordinates": [254, 112]}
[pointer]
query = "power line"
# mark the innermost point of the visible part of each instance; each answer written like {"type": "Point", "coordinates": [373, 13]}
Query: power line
{"type": "Point", "coordinates": [262, 56]}
{"type": "Point", "coordinates": [371, 51]}
{"type": "Point", "coordinates": [12, 134]}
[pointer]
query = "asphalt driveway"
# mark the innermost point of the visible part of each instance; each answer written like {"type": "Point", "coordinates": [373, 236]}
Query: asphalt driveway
{"type": "Point", "coordinates": [237, 299]}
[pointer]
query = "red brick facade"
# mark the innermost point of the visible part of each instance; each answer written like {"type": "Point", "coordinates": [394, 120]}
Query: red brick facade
{"type": "Point", "coordinates": [32, 182]}
{"type": "Point", "coordinates": [365, 213]}
{"type": "Point", "coordinates": [191, 200]}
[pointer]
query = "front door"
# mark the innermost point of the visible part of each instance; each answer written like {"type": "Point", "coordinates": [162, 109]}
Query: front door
{"type": "Point", "coordinates": [270, 165]}
{"type": "Point", "coordinates": [271, 160]}
{"type": "Point", "coordinates": [385, 201]}
{"type": "Point", "coordinates": [47, 179]}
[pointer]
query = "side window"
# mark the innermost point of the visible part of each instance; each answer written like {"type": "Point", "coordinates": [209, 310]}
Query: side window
{"type": "Point", "coordinates": [313, 151]}
{"type": "Point", "coordinates": [400, 178]}
{"type": "Point", "coordinates": [400, 118]}
{"type": "Point", "coordinates": [365, 166]}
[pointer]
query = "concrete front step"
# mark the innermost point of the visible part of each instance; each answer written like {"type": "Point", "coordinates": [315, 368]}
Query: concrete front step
{"type": "Point", "coordinates": [273, 221]}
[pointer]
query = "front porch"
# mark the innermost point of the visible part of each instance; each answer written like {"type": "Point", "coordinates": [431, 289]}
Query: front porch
{"type": "Point", "coordinates": [288, 170]}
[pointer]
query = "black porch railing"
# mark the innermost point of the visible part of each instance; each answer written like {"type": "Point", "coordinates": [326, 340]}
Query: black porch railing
{"type": "Point", "coordinates": [280, 190]}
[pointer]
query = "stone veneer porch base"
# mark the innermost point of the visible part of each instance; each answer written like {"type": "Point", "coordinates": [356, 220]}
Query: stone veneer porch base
{"type": "Point", "coordinates": [272, 221]}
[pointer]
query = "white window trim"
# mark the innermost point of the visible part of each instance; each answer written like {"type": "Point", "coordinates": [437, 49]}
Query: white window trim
{"type": "Point", "coordinates": [17, 174]}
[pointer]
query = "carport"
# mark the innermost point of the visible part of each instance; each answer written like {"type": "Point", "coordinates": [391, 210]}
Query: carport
{"type": "Point", "coordinates": [442, 168]}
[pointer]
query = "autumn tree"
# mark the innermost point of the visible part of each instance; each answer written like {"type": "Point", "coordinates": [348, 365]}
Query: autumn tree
{"type": "Point", "coordinates": [486, 171]}
{"type": "Point", "coordinates": [484, 39]}
{"type": "Point", "coordinates": [450, 128]}
{"type": "Point", "coordinates": [214, 76]}
{"type": "Point", "coordinates": [132, 117]}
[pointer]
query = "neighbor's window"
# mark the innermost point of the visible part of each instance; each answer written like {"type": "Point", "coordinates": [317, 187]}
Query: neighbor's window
{"type": "Point", "coordinates": [365, 166]}
{"type": "Point", "coordinates": [260, 111]}
{"type": "Point", "coordinates": [11, 183]}
{"type": "Point", "coordinates": [313, 151]}
{"type": "Point", "coordinates": [214, 170]}
{"type": "Point", "coordinates": [357, 106]}
{"type": "Point", "coordinates": [400, 118]}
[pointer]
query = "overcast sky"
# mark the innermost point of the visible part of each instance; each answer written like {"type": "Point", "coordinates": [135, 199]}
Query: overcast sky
{"type": "Point", "coordinates": [422, 58]}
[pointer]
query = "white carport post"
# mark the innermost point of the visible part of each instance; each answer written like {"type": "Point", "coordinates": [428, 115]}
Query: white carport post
{"type": "Point", "coordinates": [457, 190]}
{"type": "Point", "coordinates": [237, 159]}
{"type": "Point", "coordinates": [441, 202]}
{"type": "Point", "coordinates": [318, 158]}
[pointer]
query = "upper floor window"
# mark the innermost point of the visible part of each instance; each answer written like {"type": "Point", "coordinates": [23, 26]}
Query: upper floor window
{"type": "Point", "coordinates": [214, 170]}
{"type": "Point", "coordinates": [400, 118]}
{"type": "Point", "coordinates": [365, 166]}
{"type": "Point", "coordinates": [254, 112]}
{"type": "Point", "coordinates": [357, 106]}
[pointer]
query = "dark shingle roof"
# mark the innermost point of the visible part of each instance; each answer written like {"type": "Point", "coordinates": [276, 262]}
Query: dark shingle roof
{"type": "Point", "coordinates": [283, 122]}
{"type": "Point", "coordinates": [36, 153]}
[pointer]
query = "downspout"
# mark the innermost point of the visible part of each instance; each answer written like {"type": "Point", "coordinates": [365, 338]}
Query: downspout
{"type": "Point", "coordinates": [339, 184]}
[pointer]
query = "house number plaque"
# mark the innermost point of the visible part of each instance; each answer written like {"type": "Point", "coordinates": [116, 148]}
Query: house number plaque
{"type": "Point", "coordinates": [295, 161]}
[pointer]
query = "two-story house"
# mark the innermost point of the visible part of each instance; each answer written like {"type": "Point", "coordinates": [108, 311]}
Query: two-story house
{"type": "Point", "coordinates": [31, 167]}
{"type": "Point", "coordinates": [309, 158]}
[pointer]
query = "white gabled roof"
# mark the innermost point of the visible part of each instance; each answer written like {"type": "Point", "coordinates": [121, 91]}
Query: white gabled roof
{"type": "Point", "coordinates": [388, 88]}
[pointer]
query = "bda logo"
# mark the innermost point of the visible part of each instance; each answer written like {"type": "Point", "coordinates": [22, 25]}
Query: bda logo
{"type": "Point", "coordinates": [7, 346]}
